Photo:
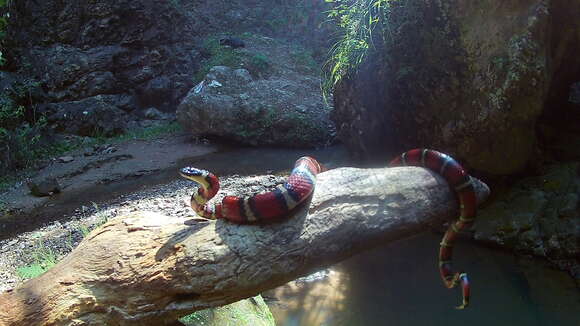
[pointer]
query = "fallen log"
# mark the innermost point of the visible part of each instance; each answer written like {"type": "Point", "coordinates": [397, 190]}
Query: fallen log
{"type": "Point", "coordinates": [149, 269]}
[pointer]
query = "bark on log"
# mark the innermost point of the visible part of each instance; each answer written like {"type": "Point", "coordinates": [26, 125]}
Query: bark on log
{"type": "Point", "coordinates": [149, 269]}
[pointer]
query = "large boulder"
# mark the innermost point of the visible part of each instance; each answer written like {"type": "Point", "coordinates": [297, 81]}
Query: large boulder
{"type": "Point", "coordinates": [467, 77]}
{"type": "Point", "coordinates": [143, 48]}
{"type": "Point", "coordinates": [538, 216]}
{"type": "Point", "coordinates": [232, 104]}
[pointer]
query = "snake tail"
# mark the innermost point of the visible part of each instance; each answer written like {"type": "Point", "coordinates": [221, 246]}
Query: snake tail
{"type": "Point", "coordinates": [257, 208]}
{"type": "Point", "coordinates": [460, 181]}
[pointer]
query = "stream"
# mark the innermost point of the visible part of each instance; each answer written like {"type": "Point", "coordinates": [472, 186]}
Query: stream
{"type": "Point", "coordinates": [396, 284]}
{"type": "Point", "coordinates": [399, 284]}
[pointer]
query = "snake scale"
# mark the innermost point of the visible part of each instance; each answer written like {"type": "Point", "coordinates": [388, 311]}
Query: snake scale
{"type": "Point", "coordinates": [300, 186]}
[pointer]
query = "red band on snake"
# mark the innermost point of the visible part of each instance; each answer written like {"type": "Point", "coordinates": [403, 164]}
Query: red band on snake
{"type": "Point", "coordinates": [300, 185]}
{"type": "Point", "coordinates": [257, 208]}
{"type": "Point", "coordinates": [460, 181]}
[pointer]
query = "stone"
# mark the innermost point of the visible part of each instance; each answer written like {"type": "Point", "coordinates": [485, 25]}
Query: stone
{"type": "Point", "coordinates": [66, 159]}
{"type": "Point", "coordinates": [480, 78]}
{"type": "Point", "coordinates": [574, 93]}
{"type": "Point", "coordinates": [539, 216]}
{"type": "Point", "coordinates": [42, 188]}
{"type": "Point", "coordinates": [231, 104]}
{"type": "Point", "coordinates": [153, 114]}
{"type": "Point", "coordinates": [97, 115]}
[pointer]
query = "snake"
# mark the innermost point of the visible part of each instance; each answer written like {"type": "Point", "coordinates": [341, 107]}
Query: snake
{"type": "Point", "coordinates": [299, 186]}
{"type": "Point", "coordinates": [262, 207]}
{"type": "Point", "coordinates": [461, 182]}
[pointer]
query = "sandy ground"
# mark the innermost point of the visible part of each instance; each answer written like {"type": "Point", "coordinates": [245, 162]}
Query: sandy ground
{"type": "Point", "coordinates": [62, 237]}
{"type": "Point", "coordinates": [101, 186]}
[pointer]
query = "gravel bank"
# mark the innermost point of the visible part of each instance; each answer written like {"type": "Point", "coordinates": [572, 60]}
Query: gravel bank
{"type": "Point", "coordinates": [64, 235]}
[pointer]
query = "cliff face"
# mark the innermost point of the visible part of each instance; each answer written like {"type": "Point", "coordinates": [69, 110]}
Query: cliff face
{"type": "Point", "coordinates": [78, 50]}
{"type": "Point", "coordinates": [131, 55]}
{"type": "Point", "coordinates": [469, 78]}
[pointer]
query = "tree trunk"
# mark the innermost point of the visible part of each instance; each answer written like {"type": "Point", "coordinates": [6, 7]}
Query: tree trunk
{"type": "Point", "coordinates": [149, 269]}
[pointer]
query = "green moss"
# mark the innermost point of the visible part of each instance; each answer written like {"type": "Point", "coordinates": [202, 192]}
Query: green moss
{"type": "Point", "coordinates": [303, 59]}
{"type": "Point", "coordinates": [257, 64]}
{"type": "Point", "coordinates": [44, 259]}
{"type": "Point", "coordinates": [249, 312]}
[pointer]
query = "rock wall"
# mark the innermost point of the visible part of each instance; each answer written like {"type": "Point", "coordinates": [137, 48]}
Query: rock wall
{"type": "Point", "coordinates": [540, 216]}
{"type": "Point", "coordinates": [134, 54]}
{"type": "Point", "coordinates": [467, 77]}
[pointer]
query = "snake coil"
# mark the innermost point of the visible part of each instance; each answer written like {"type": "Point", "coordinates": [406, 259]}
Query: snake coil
{"type": "Point", "coordinates": [300, 185]}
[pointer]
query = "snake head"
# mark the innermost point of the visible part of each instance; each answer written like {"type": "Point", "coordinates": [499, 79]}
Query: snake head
{"type": "Point", "coordinates": [208, 181]}
{"type": "Point", "coordinates": [192, 173]}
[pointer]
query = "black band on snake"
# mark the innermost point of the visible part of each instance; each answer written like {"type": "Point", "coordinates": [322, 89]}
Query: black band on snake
{"type": "Point", "coordinates": [300, 186]}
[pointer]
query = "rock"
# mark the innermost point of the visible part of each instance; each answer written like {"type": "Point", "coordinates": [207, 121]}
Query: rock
{"type": "Point", "coordinates": [83, 49]}
{"type": "Point", "coordinates": [156, 92]}
{"type": "Point", "coordinates": [101, 53]}
{"type": "Point", "coordinates": [574, 93]}
{"type": "Point", "coordinates": [233, 42]}
{"type": "Point", "coordinates": [153, 114]}
{"type": "Point", "coordinates": [108, 149]}
{"type": "Point", "coordinates": [66, 159]}
{"type": "Point", "coordinates": [539, 215]}
{"type": "Point", "coordinates": [46, 187]}
{"type": "Point", "coordinates": [480, 78]}
{"type": "Point", "coordinates": [231, 104]}
{"type": "Point", "coordinates": [97, 115]}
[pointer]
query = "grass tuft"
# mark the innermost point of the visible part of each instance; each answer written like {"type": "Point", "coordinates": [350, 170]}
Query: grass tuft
{"type": "Point", "coordinates": [44, 259]}
{"type": "Point", "coordinates": [357, 19]}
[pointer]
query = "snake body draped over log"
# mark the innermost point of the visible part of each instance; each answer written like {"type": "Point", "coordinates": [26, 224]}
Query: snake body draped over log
{"type": "Point", "coordinates": [300, 185]}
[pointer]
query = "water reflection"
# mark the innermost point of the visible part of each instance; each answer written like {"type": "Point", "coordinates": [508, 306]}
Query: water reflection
{"type": "Point", "coordinates": [399, 285]}
{"type": "Point", "coordinates": [311, 300]}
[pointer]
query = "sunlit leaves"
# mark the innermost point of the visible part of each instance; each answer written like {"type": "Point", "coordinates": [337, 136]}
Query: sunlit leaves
{"type": "Point", "coordinates": [357, 19]}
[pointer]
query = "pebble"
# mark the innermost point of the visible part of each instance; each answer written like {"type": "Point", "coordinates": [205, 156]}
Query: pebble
{"type": "Point", "coordinates": [66, 159]}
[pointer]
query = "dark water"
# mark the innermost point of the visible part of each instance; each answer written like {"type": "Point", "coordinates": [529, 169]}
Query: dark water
{"type": "Point", "coordinates": [399, 284]}
{"type": "Point", "coordinates": [396, 284]}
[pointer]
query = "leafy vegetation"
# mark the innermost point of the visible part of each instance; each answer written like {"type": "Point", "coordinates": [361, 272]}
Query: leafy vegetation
{"type": "Point", "coordinates": [252, 311]}
{"type": "Point", "coordinates": [357, 19]}
{"type": "Point", "coordinates": [19, 126]}
{"type": "Point", "coordinates": [3, 23]}
{"type": "Point", "coordinates": [44, 259]}
{"type": "Point", "coordinates": [303, 59]}
{"type": "Point", "coordinates": [218, 55]}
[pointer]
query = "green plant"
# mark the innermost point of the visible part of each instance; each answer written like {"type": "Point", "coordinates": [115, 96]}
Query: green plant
{"type": "Point", "coordinates": [202, 317]}
{"type": "Point", "coordinates": [303, 58]}
{"type": "Point", "coordinates": [217, 55]}
{"type": "Point", "coordinates": [251, 311]}
{"type": "Point", "coordinates": [3, 24]}
{"type": "Point", "coordinates": [259, 64]}
{"type": "Point", "coordinates": [44, 259]}
{"type": "Point", "coordinates": [3, 207]}
{"type": "Point", "coordinates": [357, 19]}
{"type": "Point", "coordinates": [84, 230]}
{"type": "Point", "coordinates": [20, 126]}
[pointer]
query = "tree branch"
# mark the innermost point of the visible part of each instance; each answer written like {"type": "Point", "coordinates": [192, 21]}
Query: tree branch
{"type": "Point", "coordinates": [149, 269]}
